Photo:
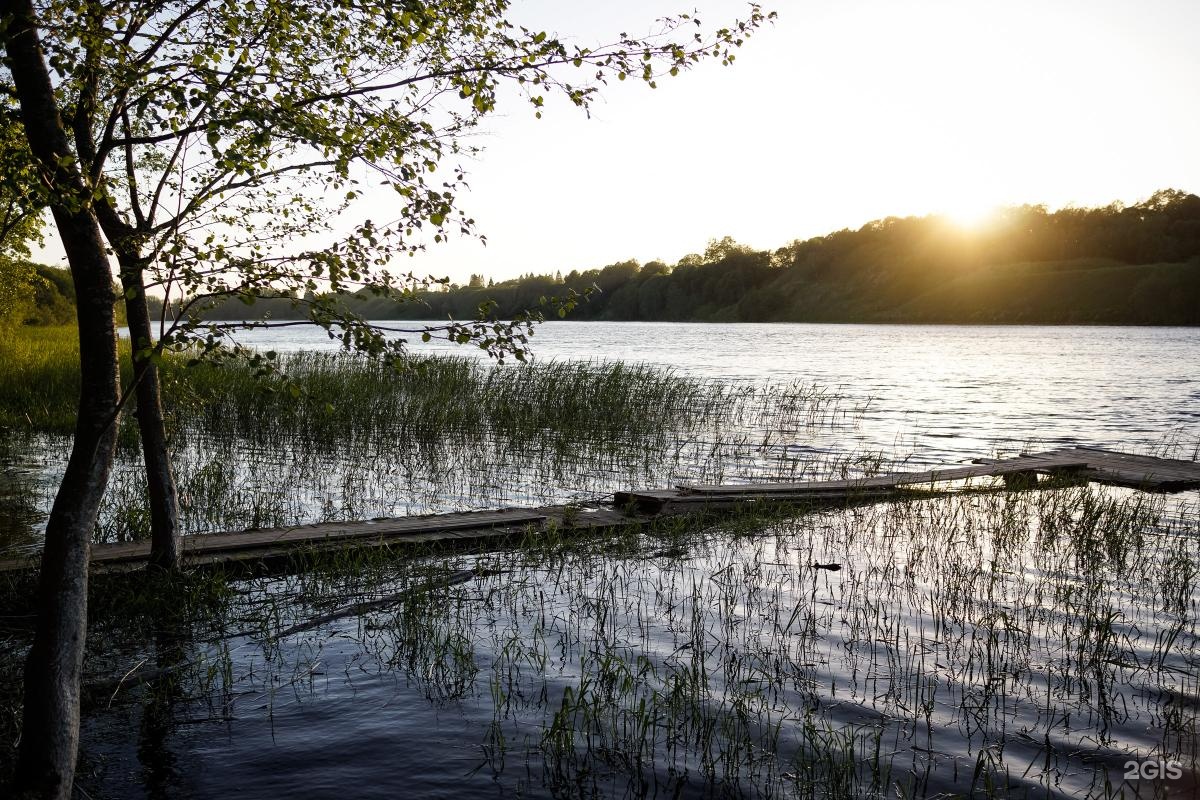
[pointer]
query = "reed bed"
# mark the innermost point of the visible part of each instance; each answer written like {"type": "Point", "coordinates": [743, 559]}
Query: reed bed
{"type": "Point", "coordinates": [326, 437]}
{"type": "Point", "coordinates": [996, 644]}
{"type": "Point", "coordinates": [999, 644]}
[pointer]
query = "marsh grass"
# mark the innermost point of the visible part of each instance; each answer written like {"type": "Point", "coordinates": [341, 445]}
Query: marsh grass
{"type": "Point", "coordinates": [988, 644]}
{"type": "Point", "coordinates": [333, 437]}
{"type": "Point", "coordinates": [39, 378]}
{"type": "Point", "coordinates": [991, 643]}
{"type": "Point", "coordinates": [327, 400]}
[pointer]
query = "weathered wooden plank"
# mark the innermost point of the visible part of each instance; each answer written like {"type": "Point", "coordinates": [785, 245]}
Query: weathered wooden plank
{"type": "Point", "coordinates": [668, 500]}
{"type": "Point", "coordinates": [1141, 471]}
{"type": "Point", "coordinates": [1096, 453]}
{"type": "Point", "coordinates": [515, 522]}
{"type": "Point", "coordinates": [1132, 469]}
{"type": "Point", "coordinates": [638, 508]}
{"type": "Point", "coordinates": [1137, 470]}
{"type": "Point", "coordinates": [1140, 480]}
{"type": "Point", "coordinates": [211, 548]}
{"type": "Point", "coordinates": [1097, 473]}
{"type": "Point", "coordinates": [226, 542]}
{"type": "Point", "coordinates": [997, 469]}
{"type": "Point", "coordinates": [1146, 468]}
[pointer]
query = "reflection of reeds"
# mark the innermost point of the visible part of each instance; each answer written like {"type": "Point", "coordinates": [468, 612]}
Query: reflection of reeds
{"type": "Point", "coordinates": [21, 497]}
{"type": "Point", "coordinates": [990, 644]}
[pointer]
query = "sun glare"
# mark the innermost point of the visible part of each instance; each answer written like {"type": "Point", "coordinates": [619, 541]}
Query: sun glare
{"type": "Point", "coordinates": [970, 216]}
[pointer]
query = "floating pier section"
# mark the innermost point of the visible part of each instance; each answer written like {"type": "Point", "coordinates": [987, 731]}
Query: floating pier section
{"type": "Point", "coordinates": [1147, 473]}
{"type": "Point", "coordinates": [639, 508]}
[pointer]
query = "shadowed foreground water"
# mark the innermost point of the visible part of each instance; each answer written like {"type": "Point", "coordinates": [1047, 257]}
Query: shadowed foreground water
{"type": "Point", "coordinates": [1011, 644]}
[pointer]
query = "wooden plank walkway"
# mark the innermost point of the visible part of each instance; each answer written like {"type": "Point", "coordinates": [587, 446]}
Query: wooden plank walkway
{"type": "Point", "coordinates": [637, 508]}
{"type": "Point", "coordinates": [262, 546]}
{"type": "Point", "coordinates": [1148, 473]}
{"type": "Point", "coordinates": [1024, 465]}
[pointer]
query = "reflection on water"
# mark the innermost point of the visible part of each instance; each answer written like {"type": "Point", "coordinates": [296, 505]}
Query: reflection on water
{"type": "Point", "coordinates": [1013, 644]}
{"type": "Point", "coordinates": [1018, 644]}
{"type": "Point", "coordinates": [23, 491]}
{"type": "Point", "coordinates": [938, 392]}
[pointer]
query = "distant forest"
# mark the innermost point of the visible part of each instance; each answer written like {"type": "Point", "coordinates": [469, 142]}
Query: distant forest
{"type": "Point", "coordinates": [1117, 264]}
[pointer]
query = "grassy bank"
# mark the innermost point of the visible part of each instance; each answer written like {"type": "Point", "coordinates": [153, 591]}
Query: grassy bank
{"type": "Point", "coordinates": [39, 378]}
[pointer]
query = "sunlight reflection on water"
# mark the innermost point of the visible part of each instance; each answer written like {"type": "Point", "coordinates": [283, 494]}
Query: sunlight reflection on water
{"type": "Point", "coordinates": [995, 630]}
{"type": "Point", "coordinates": [937, 392]}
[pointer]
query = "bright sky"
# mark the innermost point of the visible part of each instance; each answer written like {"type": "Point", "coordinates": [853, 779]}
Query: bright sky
{"type": "Point", "coordinates": [842, 112]}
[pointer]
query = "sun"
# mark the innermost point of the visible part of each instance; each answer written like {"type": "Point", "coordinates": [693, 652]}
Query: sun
{"type": "Point", "coordinates": [970, 214]}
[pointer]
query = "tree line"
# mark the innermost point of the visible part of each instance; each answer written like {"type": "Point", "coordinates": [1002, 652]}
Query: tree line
{"type": "Point", "coordinates": [35, 294]}
{"type": "Point", "coordinates": [1116, 264]}
{"type": "Point", "coordinates": [1137, 264]}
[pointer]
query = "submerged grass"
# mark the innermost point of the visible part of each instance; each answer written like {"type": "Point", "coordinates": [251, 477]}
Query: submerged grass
{"type": "Point", "coordinates": [1002, 645]}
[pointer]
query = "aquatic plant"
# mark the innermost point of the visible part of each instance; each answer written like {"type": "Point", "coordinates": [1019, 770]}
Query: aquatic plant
{"type": "Point", "coordinates": [991, 644]}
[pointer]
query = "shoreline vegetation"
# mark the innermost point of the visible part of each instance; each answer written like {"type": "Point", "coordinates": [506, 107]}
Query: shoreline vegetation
{"type": "Point", "coordinates": [698, 658]}
{"type": "Point", "coordinates": [352, 438]}
{"type": "Point", "coordinates": [1116, 265]}
{"type": "Point", "coordinates": [692, 659]}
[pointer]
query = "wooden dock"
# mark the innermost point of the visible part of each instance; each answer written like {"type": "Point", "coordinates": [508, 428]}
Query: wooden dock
{"type": "Point", "coordinates": [1147, 473]}
{"type": "Point", "coordinates": [639, 508]}
{"type": "Point", "coordinates": [264, 545]}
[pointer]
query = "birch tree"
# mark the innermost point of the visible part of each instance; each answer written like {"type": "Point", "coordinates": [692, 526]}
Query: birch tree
{"type": "Point", "coordinates": [223, 149]}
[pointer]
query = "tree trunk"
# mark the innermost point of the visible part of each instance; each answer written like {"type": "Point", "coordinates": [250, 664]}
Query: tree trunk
{"type": "Point", "coordinates": [50, 722]}
{"type": "Point", "coordinates": [160, 478]}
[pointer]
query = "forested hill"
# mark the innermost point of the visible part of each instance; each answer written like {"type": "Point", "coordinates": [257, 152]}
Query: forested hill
{"type": "Point", "coordinates": [1119, 265]}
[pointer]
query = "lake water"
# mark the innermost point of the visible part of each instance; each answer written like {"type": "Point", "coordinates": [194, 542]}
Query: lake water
{"type": "Point", "coordinates": [1017, 644]}
{"type": "Point", "coordinates": [934, 393]}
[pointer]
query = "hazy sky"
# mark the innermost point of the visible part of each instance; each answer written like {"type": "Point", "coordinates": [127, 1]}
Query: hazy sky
{"type": "Point", "coordinates": [842, 112]}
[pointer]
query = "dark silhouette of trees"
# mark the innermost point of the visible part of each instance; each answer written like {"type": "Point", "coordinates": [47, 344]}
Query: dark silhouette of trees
{"type": "Point", "coordinates": [1112, 264]}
